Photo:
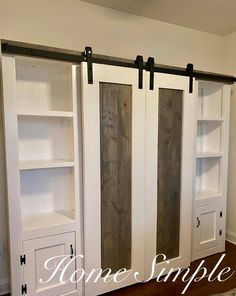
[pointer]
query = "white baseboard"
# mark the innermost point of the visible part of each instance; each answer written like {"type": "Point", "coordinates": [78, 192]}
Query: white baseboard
{"type": "Point", "coordinates": [231, 237]}
{"type": "Point", "coordinates": [4, 287]}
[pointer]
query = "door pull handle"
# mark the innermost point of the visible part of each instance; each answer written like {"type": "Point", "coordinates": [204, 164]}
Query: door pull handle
{"type": "Point", "coordinates": [71, 252]}
{"type": "Point", "coordinates": [198, 222]}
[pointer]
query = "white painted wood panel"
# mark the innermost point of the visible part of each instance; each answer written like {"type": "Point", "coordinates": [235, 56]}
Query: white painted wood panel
{"type": "Point", "coordinates": [12, 166]}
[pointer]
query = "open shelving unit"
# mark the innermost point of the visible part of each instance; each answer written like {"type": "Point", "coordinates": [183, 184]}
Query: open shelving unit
{"type": "Point", "coordinates": [209, 141]}
{"type": "Point", "coordinates": [209, 205]}
{"type": "Point", "coordinates": [42, 153]}
{"type": "Point", "coordinates": [46, 121]}
{"type": "Point", "coordinates": [45, 117]}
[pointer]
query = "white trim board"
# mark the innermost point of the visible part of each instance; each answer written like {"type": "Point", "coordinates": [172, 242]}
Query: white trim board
{"type": "Point", "coordinates": [231, 237]}
{"type": "Point", "coordinates": [4, 287]}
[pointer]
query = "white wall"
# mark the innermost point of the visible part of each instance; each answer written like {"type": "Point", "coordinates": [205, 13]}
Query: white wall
{"type": "Point", "coordinates": [229, 62]}
{"type": "Point", "coordinates": [74, 24]}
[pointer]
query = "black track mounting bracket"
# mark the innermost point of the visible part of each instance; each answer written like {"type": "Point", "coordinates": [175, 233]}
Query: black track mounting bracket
{"type": "Point", "coordinates": [189, 71]}
{"type": "Point", "coordinates": [150, 67]}
{"type": "Point", "coordinates": [139, 62]}
{"type": "Point", "coordinates": [88, 53]}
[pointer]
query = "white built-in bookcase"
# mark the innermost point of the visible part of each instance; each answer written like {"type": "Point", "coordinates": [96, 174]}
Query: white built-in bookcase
{"type": "Point", "coordinates": [43, 131]}
{"type": "Point", "coordinates": [43, 167]}
{"type": "Point", "coordinates": [46, 142]}
{"type": "Point", "coordinates": [210, 193]}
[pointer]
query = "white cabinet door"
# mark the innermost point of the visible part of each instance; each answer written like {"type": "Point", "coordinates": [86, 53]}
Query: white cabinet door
{"type": "Point", "coordinates": [208, 230]}
{"type": "Point", "coordinates": [113, 173]}
{"type": "Point", "coordinates": [168, 174]}
{"type": "Point", "coordinates": [37, 252]}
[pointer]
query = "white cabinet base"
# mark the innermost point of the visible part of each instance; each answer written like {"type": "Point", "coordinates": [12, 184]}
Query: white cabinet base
{"type": "Point", "coordinates": [38, 252]}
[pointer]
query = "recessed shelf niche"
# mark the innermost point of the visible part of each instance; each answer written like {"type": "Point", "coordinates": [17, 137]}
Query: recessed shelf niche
{"type": "Point", "coordinates": [43, 85]}
{"type": "Point", "coordinates": [209, 137]}
{"type": "Point", "coordinates": [45, 139]}
{"type": "Point", "coordinates": [47, 191]}
{"type": "Point", "coordinates": [208, 178]}
{"type": "Point", "coordinates": [210, 101]}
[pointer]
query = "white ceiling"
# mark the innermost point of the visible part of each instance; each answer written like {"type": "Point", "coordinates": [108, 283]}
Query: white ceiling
{"type": "Point", "coordinates": [213, 16]}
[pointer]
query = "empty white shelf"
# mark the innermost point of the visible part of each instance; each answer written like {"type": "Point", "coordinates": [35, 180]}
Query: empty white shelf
{"type": "Point", "coordinates": [47, 219]}
{"type": "Point", "coordinates": [209, 155]}
{"type": "Point", "coordinates": [210, 119]}
{"type": "Point", "coordinates": [205, 194]}
{"type": "Point", "coordinates": [45, 114]}
{"type": "Point", "coordinates": [43, 164]}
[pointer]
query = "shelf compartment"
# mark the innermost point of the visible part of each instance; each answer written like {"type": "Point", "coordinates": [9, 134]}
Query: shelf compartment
{"type": "Point", "coordinates": [40, 164]}
{"type": "Point", "coordinates": [208, 178]}
{"type": "Point", "coordinates": [45, 114]}
{"type": "Point", "coordinates": [209, 135]}
{"type": "Point", "coordinates": [43, 85]}
{"type": "Point", "coordinates": [210, 100]}
{"type": "Point", "coordinates": [47, 219]}
{"type": "Point", "coordinates": [47, 190]}
{"type": "Point", "coordinates": [45, 139]}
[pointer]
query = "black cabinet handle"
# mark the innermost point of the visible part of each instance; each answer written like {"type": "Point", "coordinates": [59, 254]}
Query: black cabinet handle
{"type": "Point", "coordinates": [71, 252]}
{"type": "Point", "coordinates": [198, 222]}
